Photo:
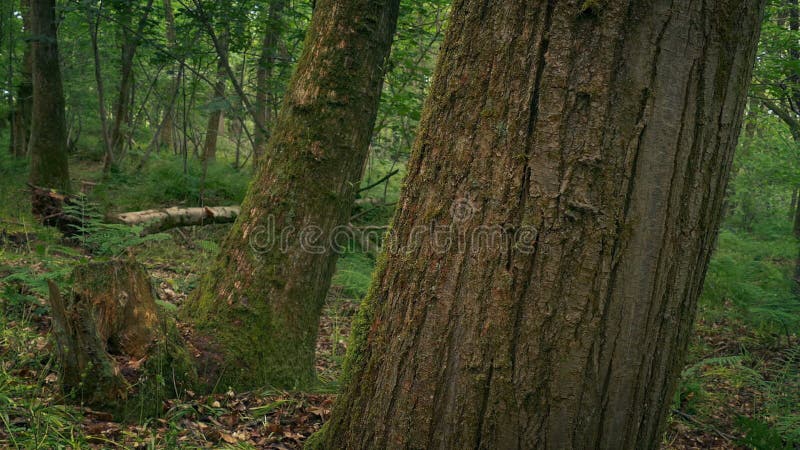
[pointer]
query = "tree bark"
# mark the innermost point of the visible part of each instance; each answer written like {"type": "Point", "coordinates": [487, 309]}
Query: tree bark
{"type": "Point", "coordinates": [23, 106]}
{"type": "Point", "coordinates": [48, 145]}
{"type": "Point", "coordinates": [215, 119]}
{"type": "Point", "coordinates": [262, 300]}
{"type": "Point", "coordinates": [266, 66]}
{"type": "Point", "coordinates": [561, 205]}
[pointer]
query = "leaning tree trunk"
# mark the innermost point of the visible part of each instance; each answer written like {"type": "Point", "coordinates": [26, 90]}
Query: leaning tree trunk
{"type": "Point", "coordinates": [551, 242]}
{"type": "Point", "coordinates": [48, 145]}
{"type": "Point", "coordinates": [262, 300]}
{"type": "Point", "coordinates": [21, 114]}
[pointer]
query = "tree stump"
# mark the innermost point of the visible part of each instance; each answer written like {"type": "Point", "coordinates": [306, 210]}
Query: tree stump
{"type": "Point", "coordinates": [114, 343]}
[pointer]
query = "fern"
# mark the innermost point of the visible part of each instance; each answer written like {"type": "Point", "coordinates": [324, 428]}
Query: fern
{"type": "Point", "coordinates": [101, 238]}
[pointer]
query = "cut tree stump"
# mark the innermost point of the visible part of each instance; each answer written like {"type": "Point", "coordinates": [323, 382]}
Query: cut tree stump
{"type": "Point", "coordinates": [113, 341]}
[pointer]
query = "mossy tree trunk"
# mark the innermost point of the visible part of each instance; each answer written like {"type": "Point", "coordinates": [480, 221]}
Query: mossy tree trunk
{"type": "Point", "coordinates": [262, 300]}
{"type": "Point", "coordinates": [48, 145]}
{"type": "Point", "coordinates": [576, 153]}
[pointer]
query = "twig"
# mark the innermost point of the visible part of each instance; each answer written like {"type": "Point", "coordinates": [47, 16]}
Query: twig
{"type": "Point", "coordinates": [385, 178]}
{"type": "Point", "coordinates": [716, 430]}
{"type": "Point", "coordinates": [367, 211]}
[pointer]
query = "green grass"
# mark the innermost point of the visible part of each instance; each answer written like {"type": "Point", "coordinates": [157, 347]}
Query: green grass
{"type": "Point", "coordinates": [164, 183]}
{"type": "Point", "coordinates": [753, 273]}
{"type": "Point", "coordinates": [353, 274]}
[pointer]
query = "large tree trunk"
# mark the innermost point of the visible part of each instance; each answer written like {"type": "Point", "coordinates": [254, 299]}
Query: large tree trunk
{"type": "Point", "coordinates": [264, 71]}
{"type": "Point", "coordinates": [23, 106]}
{"type": "Point", "coordinates": [48, 146]}
{"type": "Point", "coordinates": [217, 101]}
{"type": "Point", "coordinates": [262, 300]}
{"type": "Point", "coordinates": [575, 154]}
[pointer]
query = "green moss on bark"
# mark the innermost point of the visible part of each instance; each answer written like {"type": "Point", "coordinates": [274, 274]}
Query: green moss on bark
{"type": "Point", "coordinates": [258, 308]}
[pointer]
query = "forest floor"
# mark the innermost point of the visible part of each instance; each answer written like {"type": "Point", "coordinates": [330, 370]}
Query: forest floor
{"type": "Point", "coordinates": [740, 387]}
{"type": "Point", "coordinates": [717, 389]}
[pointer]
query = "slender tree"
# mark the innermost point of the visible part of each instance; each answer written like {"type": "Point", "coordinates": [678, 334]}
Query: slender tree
{"type": "Point", "coordinates": [215, 119]}
{"type": "Point", "coordinates": [562, 202]}
{"type": "Point", "coordinates": [264, 72]}
{"type": "Point", "coordinates": [48, 145]}
{"type": "Point", "coordinates": [166, 136]}
{"type": "Point", "coordinates": [779, 87]}
{"type": "Point", "coordinates": [262, 300]}
{"type": "Point", "coordinates": [23, 105]}
{"type": "Point", "coordinates": [122, 108]}
{"type": "Point", "coordinates": [93, 20]}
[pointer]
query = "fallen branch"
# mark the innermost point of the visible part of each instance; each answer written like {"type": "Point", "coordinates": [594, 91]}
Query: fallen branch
{"type": "Point", "coordinates": [367, 211]}
{"type": "Point", "coordinates": [692, 419]}
{"type": "Point", "coordinates": [157, 220]}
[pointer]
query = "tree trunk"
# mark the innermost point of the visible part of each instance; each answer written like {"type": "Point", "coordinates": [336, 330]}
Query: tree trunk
{"type": "Point", "coordinates": [561, 205]}
{"type": "Point", "coordinates": [796, 233]}
{"type": "Point", "coordinates": [120, 133]}
{"type": "Point", "coordinates": [262, 300]}
{"type": "Point", "coordinates": [21, 113]}
{"type": "Point", "coordinates": [122, 113]}
{"type": "Point", "coordinates": [94, 29]}
{"type": "Point", "coordinates": [266, 66]}
{"type": "Point", "coordinates": [167, 127]}
{"type": "Point", "coordinates": [48, 145]}
{"type": "Point", "coordinates": [217, 108]}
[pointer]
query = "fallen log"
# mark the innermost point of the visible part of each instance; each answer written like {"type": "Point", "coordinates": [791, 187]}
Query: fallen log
{"type": "Point", "coordinates": [49, 206]}
{"type": "Point", "coordinates": [157, 220]}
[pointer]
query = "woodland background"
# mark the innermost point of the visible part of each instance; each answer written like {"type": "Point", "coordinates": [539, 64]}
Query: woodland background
{"type": "Point", "coordinates": [741, 383]}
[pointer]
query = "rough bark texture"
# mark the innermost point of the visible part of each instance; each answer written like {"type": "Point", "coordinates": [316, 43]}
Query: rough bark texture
{"type": "Point", "coordinates": [48, 145]}
{"type": "Point", "coordinates": [23, 105]}
{"type": "Point", "coordinates": [261, 303]}
{"type": "Point", "coordinates": [266, 66]}
{"type": "Point", "coordinates": [593, 139]}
